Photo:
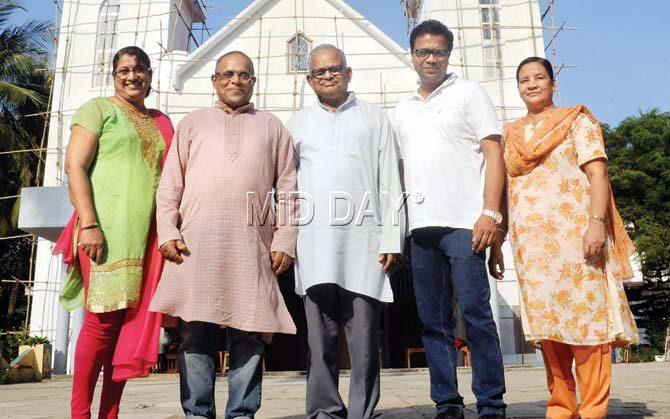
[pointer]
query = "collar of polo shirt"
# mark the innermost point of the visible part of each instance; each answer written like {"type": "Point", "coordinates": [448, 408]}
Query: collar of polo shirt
{"type": "Point", "coordinates": [451, 78]}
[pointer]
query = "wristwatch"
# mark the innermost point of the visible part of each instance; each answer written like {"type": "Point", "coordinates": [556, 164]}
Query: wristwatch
{"type": "Point", "coordinates": [497, 217]}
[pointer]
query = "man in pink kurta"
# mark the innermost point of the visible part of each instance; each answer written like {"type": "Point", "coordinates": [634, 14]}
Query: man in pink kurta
{"type": "Point", "coordinates": [223, 164]}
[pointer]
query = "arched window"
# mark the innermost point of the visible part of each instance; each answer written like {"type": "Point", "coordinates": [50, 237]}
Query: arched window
{"type": "Point", "coordinates": [490, 14]}
{"type": "Point", "coordinates": [298, 47]}
{"type": "Point", "coordinates": [105, 41]}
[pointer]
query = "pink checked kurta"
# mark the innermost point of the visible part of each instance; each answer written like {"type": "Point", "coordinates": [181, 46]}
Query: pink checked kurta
{"type": "Point", "coordinates": [221, 167]}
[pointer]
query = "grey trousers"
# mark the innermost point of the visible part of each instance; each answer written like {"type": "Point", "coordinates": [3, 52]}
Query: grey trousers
{"type": "Point", "coordinates": [326, 306]}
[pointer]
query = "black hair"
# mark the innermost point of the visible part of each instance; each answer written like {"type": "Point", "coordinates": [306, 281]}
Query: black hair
{"type": "Point", "coordinates": [545, 63]}
{"type": "Point", "coordinates": [137, 52]}
{"type": "Point", "coordinates": [433, 27]}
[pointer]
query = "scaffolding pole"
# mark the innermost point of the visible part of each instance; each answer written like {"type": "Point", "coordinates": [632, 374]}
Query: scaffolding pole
{"type": "Point", "coordinates": [63, 72]}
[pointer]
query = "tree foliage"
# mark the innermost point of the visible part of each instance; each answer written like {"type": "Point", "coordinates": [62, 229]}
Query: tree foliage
{"type": "Point", "coordinates": [639, 153]}
{"type": "Point", "coordinates": [24, 86]}
{"type": "Point", "coordinates": [24, 89]}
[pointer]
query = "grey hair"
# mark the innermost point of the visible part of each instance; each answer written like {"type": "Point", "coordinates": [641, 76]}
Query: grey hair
{"type": "Point", "coordinates": [327, 47]}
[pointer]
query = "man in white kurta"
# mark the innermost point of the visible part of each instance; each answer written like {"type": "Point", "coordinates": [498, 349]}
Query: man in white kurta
{"type": "Point", "coordinates": [351, 232]}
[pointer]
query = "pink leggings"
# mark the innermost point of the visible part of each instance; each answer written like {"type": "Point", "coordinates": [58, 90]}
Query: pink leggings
{"type": "Point", "coordinates": [95, 350]}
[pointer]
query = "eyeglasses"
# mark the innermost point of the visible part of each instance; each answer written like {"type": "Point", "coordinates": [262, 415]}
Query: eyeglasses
{"type": "Point", "coordinates": [319, 73]}
{"type": "Point", "coordinates": [243, 76]}
{"type": "Point", "coordinates": [425, 52]}
{"type": "Point", "coordinates": [125, 72]}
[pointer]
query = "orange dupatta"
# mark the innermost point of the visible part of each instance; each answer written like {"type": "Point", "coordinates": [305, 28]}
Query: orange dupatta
{"type": "Point", "coordinates": [522, 156]}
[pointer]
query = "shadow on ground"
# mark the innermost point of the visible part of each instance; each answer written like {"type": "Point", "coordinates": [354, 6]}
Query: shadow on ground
{"type": "Point", "coordinates": [618, 409]}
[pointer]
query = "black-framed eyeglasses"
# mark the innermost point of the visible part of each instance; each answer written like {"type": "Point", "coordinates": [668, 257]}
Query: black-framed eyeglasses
{"type": "Point", "coordinates": [243, 76]}
{"type": "Point", "coordinates": [125, 72]}
{"type": "Point", "coordinates": [334, 70]}
{"type": "Point", "coordinates": [425, 52]}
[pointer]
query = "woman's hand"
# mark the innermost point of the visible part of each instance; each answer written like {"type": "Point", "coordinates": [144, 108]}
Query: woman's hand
{"type": "Point", "coordinates": [92, 242]}
{"type": "Point", "coordinates": [599, 190]}
{"type": "Point", "coordinates": [81, 151]}
{"type": "Point", "coordinates": [594, 239]}
{"type": "Point", "coordinates": [496, 258]}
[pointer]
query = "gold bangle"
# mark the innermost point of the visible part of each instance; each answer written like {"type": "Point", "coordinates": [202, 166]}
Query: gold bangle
{"type": "Point", "coordinates": [599, 218]}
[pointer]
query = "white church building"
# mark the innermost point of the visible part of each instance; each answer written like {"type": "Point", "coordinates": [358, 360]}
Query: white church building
{"type": "Point", "coordinates": [491, 38]}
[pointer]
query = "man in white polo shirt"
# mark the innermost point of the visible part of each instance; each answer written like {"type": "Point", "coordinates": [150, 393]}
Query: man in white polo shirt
{"type": "Point", "coordinates": [449, 138]}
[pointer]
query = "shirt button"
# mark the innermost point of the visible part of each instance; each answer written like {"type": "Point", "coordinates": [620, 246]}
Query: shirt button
{"type": "Point", "coordinates": [419, 197]}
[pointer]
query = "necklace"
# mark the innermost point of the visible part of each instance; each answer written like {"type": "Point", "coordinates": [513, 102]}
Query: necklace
{"type": "Point", "coordinates": [143, 115]}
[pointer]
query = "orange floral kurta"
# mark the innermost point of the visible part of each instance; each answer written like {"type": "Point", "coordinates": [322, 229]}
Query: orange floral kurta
{"type": "Point", "coordinates": [564, 298]}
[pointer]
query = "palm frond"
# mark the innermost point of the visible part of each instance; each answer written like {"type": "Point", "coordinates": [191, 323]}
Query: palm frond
{"type": "Point", "coordinates": [23, 91]}
{"type": "Point", "coordinates": [31, 38]}
{"type": "Point", "coordinates": [18, 95]}
{"type": "Point", "coordinates": [16, 68]}
{"type": "Point", "coordinates": [8, 8]}
{"type": "Point", "coordinates": [13, 135]}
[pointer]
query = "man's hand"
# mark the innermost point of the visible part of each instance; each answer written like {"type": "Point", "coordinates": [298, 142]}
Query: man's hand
{"type": "Point", "coordinates": [280, 262]}
{"type": "Point", "coordinates": [92, 242]}
{"type": "Point", "coordinates": [483, 233]}
{"type": "Point", "coordinates": [496, 258]}
{"type": "Point", "coordinates": [173, 250]}
{"type": "Point", "coordinates": [594, 239]}
{"type": "Point", "coordinates": [388, 260]}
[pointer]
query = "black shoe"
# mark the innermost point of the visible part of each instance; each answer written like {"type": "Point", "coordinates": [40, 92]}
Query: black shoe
{"type": "Point", "coordinates": [451, 414]}
{"type": "Point", "coordinates": [492, 416]}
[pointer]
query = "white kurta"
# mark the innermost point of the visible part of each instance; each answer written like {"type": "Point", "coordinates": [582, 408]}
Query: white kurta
{"type": "Point", "coordinates": [351, 197]}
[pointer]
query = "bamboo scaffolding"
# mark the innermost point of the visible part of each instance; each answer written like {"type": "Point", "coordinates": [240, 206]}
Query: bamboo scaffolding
{"type": "Point", "coordinates": [381, 96]}
{"type": "Point", "coordinates": [254, 17]}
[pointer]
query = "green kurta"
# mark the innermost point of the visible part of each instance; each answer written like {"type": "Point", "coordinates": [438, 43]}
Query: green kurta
{"type": "Point", "coordinates": [124, 176]}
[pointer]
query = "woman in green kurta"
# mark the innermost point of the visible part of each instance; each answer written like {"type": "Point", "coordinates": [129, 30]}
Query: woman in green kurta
{"type": "Point", "coordinates": [123, 179]}
{"type": "Point", "coordinates": [114, 160]}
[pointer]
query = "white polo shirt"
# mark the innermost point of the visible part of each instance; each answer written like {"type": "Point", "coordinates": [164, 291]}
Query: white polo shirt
{"type": "Point", "coordinates": [439, 145]}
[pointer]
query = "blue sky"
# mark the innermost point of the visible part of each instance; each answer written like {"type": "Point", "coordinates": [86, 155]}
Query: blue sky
{"type": "Point", "coordinates": [621, 48]}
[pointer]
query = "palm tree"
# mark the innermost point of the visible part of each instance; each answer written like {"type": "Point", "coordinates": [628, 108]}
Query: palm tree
{"type": "Point", "coordinates": [23, 91]}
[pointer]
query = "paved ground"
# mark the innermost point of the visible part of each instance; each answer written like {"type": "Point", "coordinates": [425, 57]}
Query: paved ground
{"type": "Point", "coordinates": [639, 390]}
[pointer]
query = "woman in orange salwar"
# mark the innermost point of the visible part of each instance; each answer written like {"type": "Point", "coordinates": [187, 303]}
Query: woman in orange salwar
{"type": "Point", "coordinates": [570, 246]}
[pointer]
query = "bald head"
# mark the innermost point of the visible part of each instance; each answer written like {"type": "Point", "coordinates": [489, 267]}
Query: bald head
{"type": "Point", "coordinates": [235, 53]}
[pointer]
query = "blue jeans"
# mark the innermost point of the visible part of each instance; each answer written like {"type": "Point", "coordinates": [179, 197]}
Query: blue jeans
{"type": "Point", "coordinates": [443, 261]}
{"type": "Point", "coordinates": [197, 371]}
